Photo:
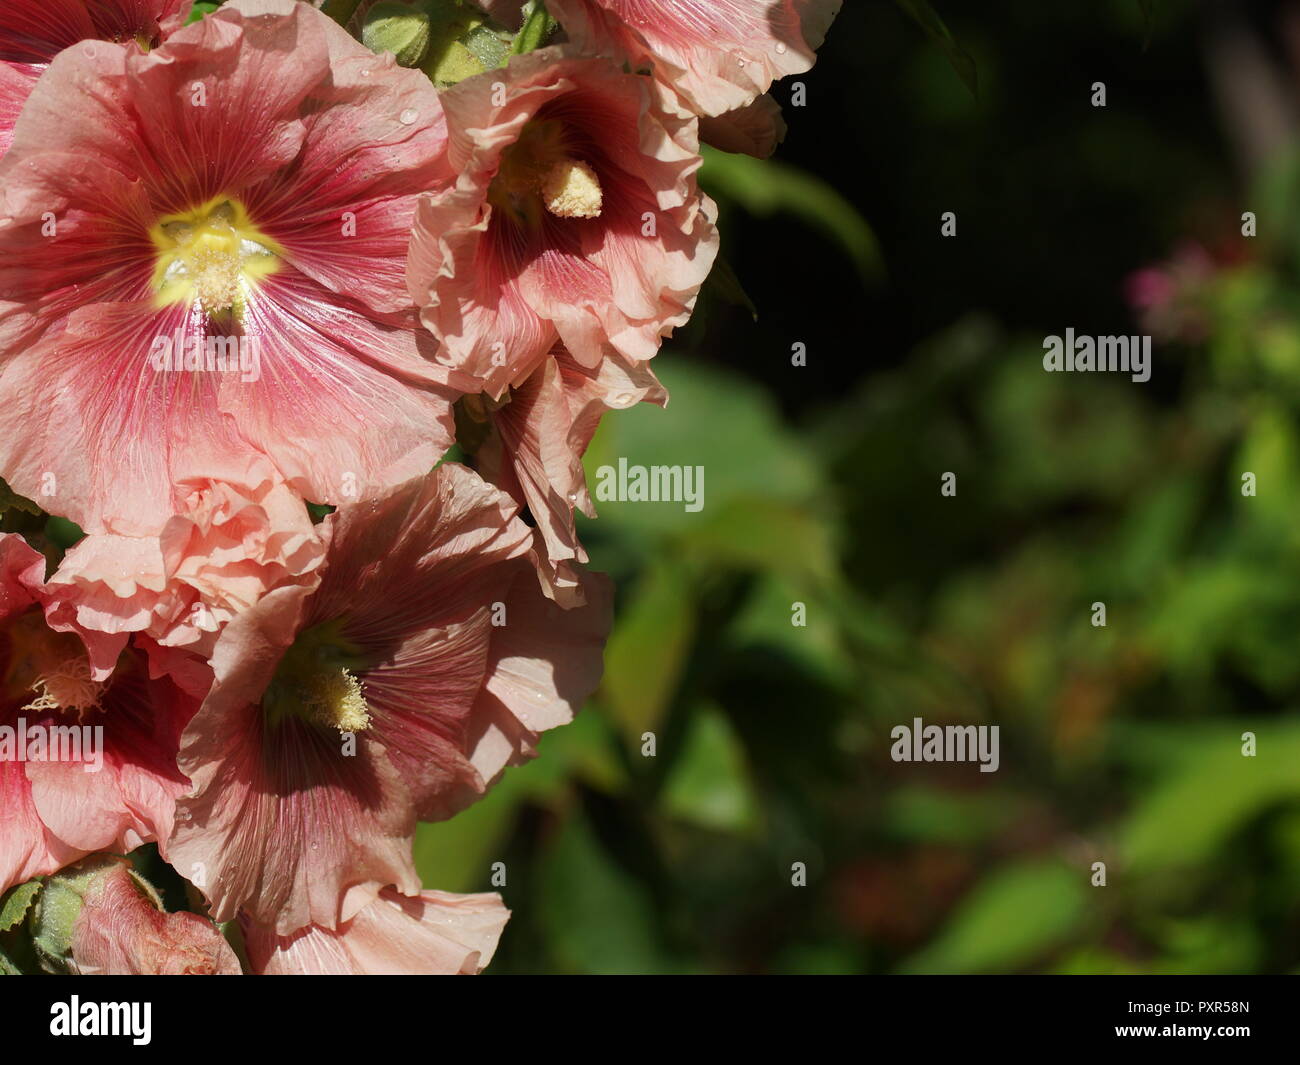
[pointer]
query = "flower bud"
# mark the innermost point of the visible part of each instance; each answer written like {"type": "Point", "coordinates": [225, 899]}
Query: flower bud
{"type": "Point", "coordinates": [397, 28]}
{"type": "Point", "coordinates": [100, 918]}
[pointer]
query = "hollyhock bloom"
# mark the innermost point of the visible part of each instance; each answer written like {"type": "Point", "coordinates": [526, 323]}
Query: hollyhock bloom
{"type": "Point", "coordinates": [111, 789]}
{"type": "Point", "coordinates": [202, 257]}
{"type": "Point", "coordinates": [122, 931]}
{"type": "Point", "coordinates": [425, 661]}
{"type": "Point", "coordinates": [717, 55]}
{"type": "Point", "coordinates": [575, 218]}
{"type": "Point", "coordinates": [755, 129]}
{"type": "Point", "coordinates": [430, 934]}
{"type": "Point", "coordinates": [532, 447]}
{"type": "Point", "coordinates": [229, 545]}
{"type": "Point", "coordinates": [32, 32]}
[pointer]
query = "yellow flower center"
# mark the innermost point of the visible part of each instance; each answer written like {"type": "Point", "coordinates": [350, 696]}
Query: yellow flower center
{"type": "Point", "coordinates": [211, 255]}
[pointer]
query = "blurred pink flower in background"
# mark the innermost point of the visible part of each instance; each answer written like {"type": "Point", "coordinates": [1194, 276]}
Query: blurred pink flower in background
{"type": "Point", "coordinates": [1168, 297]}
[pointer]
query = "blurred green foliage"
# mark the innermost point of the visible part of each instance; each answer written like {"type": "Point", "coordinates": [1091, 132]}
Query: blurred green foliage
{"type": "Point", "coordinates": [1120, 744]}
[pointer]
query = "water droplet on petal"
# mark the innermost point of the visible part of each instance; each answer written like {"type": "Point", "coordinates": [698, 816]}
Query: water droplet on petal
{"type": "Point", "coordinates": [780, 48]}
{"type": "Point", "coordinates": [408, 116]}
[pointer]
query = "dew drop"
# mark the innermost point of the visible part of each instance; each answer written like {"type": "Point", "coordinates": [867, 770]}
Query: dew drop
{"type": "Point", "coordinates": [408, 116]}
{"type": "Point", "coordinates": [780, 48]}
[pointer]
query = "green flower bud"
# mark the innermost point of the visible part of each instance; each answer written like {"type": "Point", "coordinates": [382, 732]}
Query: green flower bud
{"type": "Point", "coordinates": [397, 28]}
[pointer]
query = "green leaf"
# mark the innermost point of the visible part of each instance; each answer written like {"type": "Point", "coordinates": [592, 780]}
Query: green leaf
{"type": "Point", "coordinates": [537, 26]}
{"type": "Point", "coordinates": [16, 902]}
{"type": "Point", "coordinates": [709, 784]}
{"type": "Point", "coordinates": [201, 8]}
{"type": "Point", "coordinates": [649, 648]}
{"type": "Point", "coordinates": [1009, 921]}
{"type": "Point", "coordinates": [596, 917]}
{"type": "Point", "coordinates": [718, 420]}
{"type": "Point", "coordinates": [765, 187]}
{"type": "Point", "coordinates": [457, 855]}
{"type": "Point", "coordinates": [1181, 823]}
{"type": "Point", "coordinates": [925, 16]}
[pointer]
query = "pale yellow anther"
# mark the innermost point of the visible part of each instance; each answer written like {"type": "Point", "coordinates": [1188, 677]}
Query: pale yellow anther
{"type": "Point", "coordinates": [216, 276]}
{"type": "Point", "coordinates": [66, 685]}
{"type": "Point", "coordinates": [571, 189]}
{"type": "Point", "coordinates": [337, 701]}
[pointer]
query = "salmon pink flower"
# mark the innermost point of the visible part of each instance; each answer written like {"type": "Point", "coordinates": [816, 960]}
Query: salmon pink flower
{"type": "Point", "coordinates": [202, 259]}
{"type": "Point", "coordinates": [230, 545]}
{"type": "Point", "coordinates": [425, 661]}
{"type": "Point", "coordinates": [575, 218]}
{"type": "Point", "coordinates": [532, 447]}
{"type": "Point", "coordinates": [717, 55]}
{"type": "Point", "coordinates": [86, 764]}
{"type": "Point", "coordinates": [430, 934]}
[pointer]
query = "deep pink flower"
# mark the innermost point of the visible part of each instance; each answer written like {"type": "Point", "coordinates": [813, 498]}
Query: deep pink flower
{"type": "Point", "coordinates": [575, 218]}
{"type": "Point", "coordinates": [202, 258]}
{"type": "Point", "coordinates": [122, 931]}
{"type": "Point", "coordinates": [717, 55]}
{"type": "Point", "coordinates": [112, 789]}
{"type": "Point", "coordinates": [429, 934]}
{"type": "Point", "coordinates": [425, 662]}
{"type": "Point", "coordinates": [32, 32]}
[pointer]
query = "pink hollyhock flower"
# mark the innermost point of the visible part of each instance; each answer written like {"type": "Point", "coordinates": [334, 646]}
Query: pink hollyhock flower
{"type": "Point", "coordinates": [425, 661]}
{"type": "Point", "coordinates": [755, 129]}
{"type": "Point", "coordinates": [717, 55]}
{"type": "Point", "coordinates": [575, 218]}
{"type": "Point", "coordinates": [229, 545]}
{"type": "Point", "coordinates": [534, 445]}
{"type": "Point", "coordinates": [430, 934]}
{"type": "Point", "coordinates": [124, 931]}
{"type": "Point", "coordinates": [86, 763]}
{"type": "Point", "coordinates": [32, 32]}
{"type": "Point", "coordinates": [202, 258]}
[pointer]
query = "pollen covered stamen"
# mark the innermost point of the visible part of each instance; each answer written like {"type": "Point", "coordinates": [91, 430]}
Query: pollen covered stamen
{"type": "Point", "coordinates": [318, 681]}
{"type": "Point", "coordinates": [335, 699]}
{"type": "Point", "coordinates": [48, 670]}
{"type": "Point", "coordinates": [67, 686]}
{"type": "Point", "coordinates": [211, 255]}
{"type": "Point", "coordinates": [571, 189]}
{"type": "Point", "coordinates": [216, 278]}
